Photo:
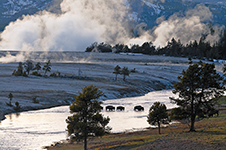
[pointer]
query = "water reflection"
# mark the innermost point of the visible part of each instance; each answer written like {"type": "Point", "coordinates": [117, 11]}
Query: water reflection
{"type": "Point", "coordinates": [33, 129]}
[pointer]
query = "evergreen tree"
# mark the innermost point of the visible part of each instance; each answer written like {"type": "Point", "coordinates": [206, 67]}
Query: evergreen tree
{"type": "Point", "coordinates": [157, 115]}
{"type": "Point", "coordinates": [38, 66]}
{"type": "Point", "coordinates": [10, 96]}
{"type": "Point", "coordinates": [125, 72]}
{"type": "Point", "coordinates": [28, 65]}
{"type": "Point", "coordinates": [87, 120]}
{"type": "Point", "coordinates": [117, 71]}
{"type": "Point", "coordinates": [47, 67]}
{"type": "Point", "coordinates": [17, 106]}
{"type": "Point", "coordinates": [19, 71]}
{"type": "Point", "coordinates": [198, 90]}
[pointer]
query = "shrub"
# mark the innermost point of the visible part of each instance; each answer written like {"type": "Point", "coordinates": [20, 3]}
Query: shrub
{"type": "Point", "coordinates": [24, 74]}
{"type": "Point", "coordinates": [35, 73]}
{"type": "Point", "coordinates": [53, 74]}
{"type": "Point", "coordinates": [34, 99]}
{"type": "Point", "coordinates": [133, 70]}
{"type": "Point", "coordinates": [8, 104]}
{"type": "Point", "coordinates": [17, 107]}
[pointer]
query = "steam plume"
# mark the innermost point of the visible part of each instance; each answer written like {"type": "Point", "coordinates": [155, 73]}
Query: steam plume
{"type": "Point", "coordinates": [187, 28]}
{"type": "Point", "coordinates": [83, 22]}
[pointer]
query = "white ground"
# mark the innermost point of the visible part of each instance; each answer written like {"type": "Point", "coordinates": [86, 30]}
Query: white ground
{"type": "Point", "coordinates": [152, 73]}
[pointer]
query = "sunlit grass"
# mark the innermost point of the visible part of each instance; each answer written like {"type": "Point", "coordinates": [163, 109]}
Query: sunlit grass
{"type": "Point", "coordinates": [209, 133]}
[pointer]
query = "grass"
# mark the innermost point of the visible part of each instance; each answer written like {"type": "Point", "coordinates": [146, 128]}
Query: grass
{"type": "Point", "coordinates": [210, 134]}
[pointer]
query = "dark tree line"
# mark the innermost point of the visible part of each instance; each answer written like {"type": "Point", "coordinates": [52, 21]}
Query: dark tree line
{"type": "Point", "coordinates": [195, 49]}
{"type": "Point", "coordinates": [24, 69]}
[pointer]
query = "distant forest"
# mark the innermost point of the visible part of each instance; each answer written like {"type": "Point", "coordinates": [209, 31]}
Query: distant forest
{"type": "Point", "coordinates": [201, 49]}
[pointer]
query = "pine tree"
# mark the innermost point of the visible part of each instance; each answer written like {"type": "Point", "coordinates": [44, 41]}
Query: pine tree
{"type": "Point", "coordinates": [10, 96]}
{"type": "Point", "coordinates": [47, 67]}
{"type": "Point", "coordinates": [117, 71]}
{"type": "Point", "coordinates": [87, 120]}
{"type": "Point", "coordinates": [125, 72]}
{"type": "Point", "coordinates": [157, 115]}
{"type": "Point", "coordinates": [198, 90]}
{"type": "Point", "coordinates": [28, 65]}
{"type": "Point", "coordinates": [38, 66]}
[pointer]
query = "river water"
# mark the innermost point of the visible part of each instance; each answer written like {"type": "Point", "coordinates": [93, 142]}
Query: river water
{"type": "Point", "coordinates": [33, 129]}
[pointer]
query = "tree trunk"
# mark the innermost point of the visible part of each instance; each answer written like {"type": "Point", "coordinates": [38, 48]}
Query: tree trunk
{"type": "Point", "coordinates": [159, 127]}
{"type": "Point", "coordinates": [116, 77]}
{"type": "Point", "coordinates": [85, 143]}
{"type": "Point", "coordinates": [124, 77]}
{"type": "Point", "coordinates": [192, 127]}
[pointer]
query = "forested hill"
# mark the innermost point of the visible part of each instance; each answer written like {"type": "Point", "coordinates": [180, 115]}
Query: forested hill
{"type": "Point", "coordinates": [140, 11]}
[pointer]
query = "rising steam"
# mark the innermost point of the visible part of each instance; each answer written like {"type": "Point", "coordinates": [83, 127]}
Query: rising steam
{"type": "Point", "coordinates": [83, 22]}
{"type": "Point", "coordinates": [187, 28]}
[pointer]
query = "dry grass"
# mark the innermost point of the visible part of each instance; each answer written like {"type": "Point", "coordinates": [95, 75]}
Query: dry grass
{"type": "Point", "coordinates": [210, 134]}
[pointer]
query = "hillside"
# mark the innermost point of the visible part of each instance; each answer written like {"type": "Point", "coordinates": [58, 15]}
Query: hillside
{"type": "Point", "coordinates": [151, 73]}
{"type": "Point", "coordinates": [140, 11]}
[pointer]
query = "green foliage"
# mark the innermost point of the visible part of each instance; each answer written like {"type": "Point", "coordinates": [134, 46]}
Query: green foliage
{"type": "Point", "coordinates": [117, 71]}
{"type": "Point", "coordinates": [125, 72]}
{"type": "Point", "coordinates": [87, 120]}
{"type": "Point", "coordinates": [133, 70]}
{"type": "Point", "coordinates": [34, 100]}
{"type": "Point", "coordinates": [37, 66]}
{"type": "Point", "coordinates": [178, 114]}
{"type": "Point", "coordinates": [17, 107]}
{"type": "Point", "coordinates": [198, 90]}
{"type": "Point", "coordinates": [10, 96]}
{"type": "Point", "coordinates": [190, 60]}
{"type": "Point", "coordinates": [53, 74]}
{"type": "Point", "coordinates": [201, 49]}
{"type": "Point", "coordinates": [28, 65]}
{"type": "Point", "coordinates": [47, 67]}
{"type": "Point", "coordinates": [24, 74]}
{"type": "Point", "coordinates": [19, 71]}
{"type": "Point", "coordinates": [101, 47]}
{"type": "Point", "coordinates": [157, 114]}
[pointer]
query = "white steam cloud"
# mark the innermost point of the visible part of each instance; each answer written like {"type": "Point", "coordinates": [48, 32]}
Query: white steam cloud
{"type": "Point", "coordinates": [83, 22]}
{"type": "Point", "coordinates": [187, 28]}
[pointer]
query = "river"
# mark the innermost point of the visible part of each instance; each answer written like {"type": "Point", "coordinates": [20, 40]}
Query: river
{"type": "Point", "coordinates": [33, 129]}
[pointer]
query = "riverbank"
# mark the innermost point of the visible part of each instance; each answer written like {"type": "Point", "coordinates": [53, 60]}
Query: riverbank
{"type": "Point", "coordinates": [78, 70]}
{"type": "Point", "coordinates": [210, 134]}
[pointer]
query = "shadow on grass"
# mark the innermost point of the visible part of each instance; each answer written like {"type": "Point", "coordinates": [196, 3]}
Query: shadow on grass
{"type": "Point", "coordinates": [213, 132]}
{"type": "Point", "coordinates": [123, 147]}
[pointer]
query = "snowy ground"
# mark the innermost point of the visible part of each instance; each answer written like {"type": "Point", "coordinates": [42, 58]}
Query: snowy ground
{"type": "Point", "coordinates": [152, 73]}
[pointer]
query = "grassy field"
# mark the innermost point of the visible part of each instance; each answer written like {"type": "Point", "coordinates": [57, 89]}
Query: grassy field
{"type": "Point", "coordinates": [210, 134]}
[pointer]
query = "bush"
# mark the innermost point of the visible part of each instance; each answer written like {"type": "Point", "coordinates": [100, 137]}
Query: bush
{"type": "Point", "coordinates": [17, 107]}
{"type": "Point", "coordinates": [53, 74]}
{"type": "Point", "coordinates": [35, 73]}
{"type": "Point", "coordinates": [24, 74]}
{"type": "Point", "coordinates": [133, 70]}
{"type": "Point", "coordinates": [8, 104]}
{"type": "Point", "coordinates": [34, 99]}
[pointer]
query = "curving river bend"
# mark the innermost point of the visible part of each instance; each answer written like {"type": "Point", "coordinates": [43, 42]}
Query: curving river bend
{"type": "Point", "coordinates": [33, 129]}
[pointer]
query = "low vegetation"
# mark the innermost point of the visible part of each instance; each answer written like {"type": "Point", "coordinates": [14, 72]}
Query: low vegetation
{"type": "Point", "coordinates": [24, 69]}
{"type": "Point", "coordinates": [17, 107]}
{"type": "Point", "coordinates": [199, 89]}
{"type": "Point", "coordinates": [210, 134]}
